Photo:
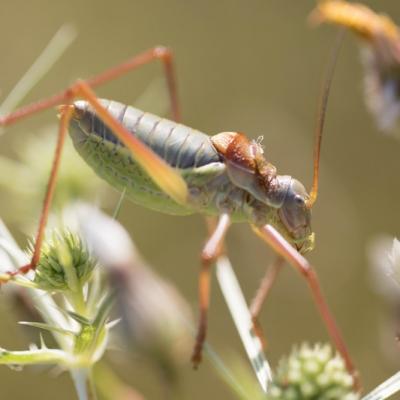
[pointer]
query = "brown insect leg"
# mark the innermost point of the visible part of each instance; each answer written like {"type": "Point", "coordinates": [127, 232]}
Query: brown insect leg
{"type": "Point", "coordinates": [155, 53]}
{"type": "Point", "coordinates": [262, 294]}
{"type": "Point", "coordinates": [210, 253]}
{"type": "Point", "coordinates": [273, 238]}
{"type": "Point", "coordinates": [63, 129]}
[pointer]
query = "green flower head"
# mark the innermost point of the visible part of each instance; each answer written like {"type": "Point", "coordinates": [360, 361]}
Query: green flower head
{"type": "Point", "coordinates": [65, 264]}
{"type": "Point", "coordinates": [312, 373]}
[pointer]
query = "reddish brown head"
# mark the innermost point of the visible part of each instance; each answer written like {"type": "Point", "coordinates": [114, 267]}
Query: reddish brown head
{"type": "Point", "coordinates": [248, 169]}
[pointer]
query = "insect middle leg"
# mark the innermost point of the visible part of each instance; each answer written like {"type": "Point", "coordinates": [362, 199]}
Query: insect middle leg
{"type": "Point", "coordinates": [262, 293]}
{"type": "Point", "coordinates": [211, 251]}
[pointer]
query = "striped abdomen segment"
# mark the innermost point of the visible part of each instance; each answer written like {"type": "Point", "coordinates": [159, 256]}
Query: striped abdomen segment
{"type": "Point", "coordinates": [180, 146]}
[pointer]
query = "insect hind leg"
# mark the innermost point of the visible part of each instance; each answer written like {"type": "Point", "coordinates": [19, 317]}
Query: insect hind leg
{"type": "Point", "coordinates": [65, 117]}
{"type": "Point", "coordinates": [164, 54]}
{"type": "Point", "coordinates": [165, 176]}
{"type": "Point", "coordinates": [156, 53]}
{"type": "Point", "coordinates": [261, 295]}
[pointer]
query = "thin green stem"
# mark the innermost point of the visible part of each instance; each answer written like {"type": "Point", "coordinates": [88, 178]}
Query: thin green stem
{"type": "Point", "coordinates": [91, 388]}
{"type": "Point", "coordinates": [84, 385]}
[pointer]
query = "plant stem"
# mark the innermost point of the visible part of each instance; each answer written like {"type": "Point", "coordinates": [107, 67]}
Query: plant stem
{"type": "Point", "coordinates": [84, 384]}
{"type": "Point", "coordinates": [91, 388]}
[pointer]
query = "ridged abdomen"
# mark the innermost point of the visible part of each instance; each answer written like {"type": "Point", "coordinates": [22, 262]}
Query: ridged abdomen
{"type": "Point", "coordinates": [180, 146]}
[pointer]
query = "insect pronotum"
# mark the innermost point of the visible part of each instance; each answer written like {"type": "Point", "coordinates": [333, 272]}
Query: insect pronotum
{"type": "Point", "coordinates": [172, 168]}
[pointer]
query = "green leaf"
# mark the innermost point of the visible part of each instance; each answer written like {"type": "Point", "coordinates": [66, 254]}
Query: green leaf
{"type": "Point", "coordinates": [34, 356]}
{"type": "Point", "coordinates": [79, 318]}
{"type": "Point", "coordinates": [46, 327]}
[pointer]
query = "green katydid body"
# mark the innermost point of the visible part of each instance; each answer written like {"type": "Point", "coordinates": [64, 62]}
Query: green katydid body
{"type": "Point", "coordinates": [217, 182]}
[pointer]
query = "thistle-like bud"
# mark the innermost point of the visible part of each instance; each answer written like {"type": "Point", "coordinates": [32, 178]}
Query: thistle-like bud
{"type": "Point", "coordinates": [312, 373]}
{"type": "Point", "coordinates": [154, 316]}
{"type": "Point", "coordinates": [65, 264]}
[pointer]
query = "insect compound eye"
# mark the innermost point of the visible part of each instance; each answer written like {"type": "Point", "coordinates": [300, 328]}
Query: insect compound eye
{"type": "Point", "coordinates": [299, 200]}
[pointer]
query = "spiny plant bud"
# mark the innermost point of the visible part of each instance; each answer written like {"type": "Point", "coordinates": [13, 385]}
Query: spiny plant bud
{"type": "Point", "coordinates": [312, 373]}
{"type": "Point", "coordinates": [153, 314]}
{"type": "Point", "coordinates": [65, 264]}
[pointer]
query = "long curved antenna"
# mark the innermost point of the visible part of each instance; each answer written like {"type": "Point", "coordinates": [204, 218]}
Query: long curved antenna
{"type": "Point", "coordinates": [323, 104]}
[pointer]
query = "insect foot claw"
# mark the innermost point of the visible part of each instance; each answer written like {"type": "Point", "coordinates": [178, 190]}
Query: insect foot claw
{"type": "Point", "coordinates": [259, 333]}
{"type": "Point", "coordinates": [198, 347]}
{"type": "Point", "coordinates": [7, 276]}
{"type": "Point", "coordinates": [196, 356]}
{"type": "Point", "coordinates": [23, 270]}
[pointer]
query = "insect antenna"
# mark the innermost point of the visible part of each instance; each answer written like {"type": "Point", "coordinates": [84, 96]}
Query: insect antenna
{"type": "Point", "coordinates": [322, 107]}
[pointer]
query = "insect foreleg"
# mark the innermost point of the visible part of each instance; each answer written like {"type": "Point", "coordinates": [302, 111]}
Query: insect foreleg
{"type": "Point", "coordinates": [273, 238]}
{"type": "Point", "coordinates": [211, 251]}
{"type": "Point", "coordinates": [262, 294]}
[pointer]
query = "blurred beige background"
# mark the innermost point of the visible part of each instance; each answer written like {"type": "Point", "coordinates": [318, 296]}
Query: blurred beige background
{"type": "Point", "coordinates": [253, 66]}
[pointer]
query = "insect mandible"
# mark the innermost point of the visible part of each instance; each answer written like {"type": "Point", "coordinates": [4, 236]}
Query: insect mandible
{"type": "Point", "coordinates": [169, 167]}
